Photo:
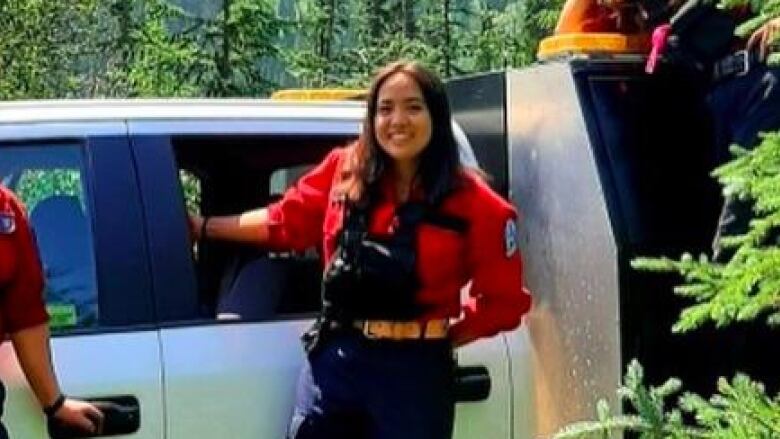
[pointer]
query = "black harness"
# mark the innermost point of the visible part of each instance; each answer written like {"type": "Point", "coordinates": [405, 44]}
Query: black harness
{"type": "Point", "coordinates": [655, 12]}
{"type": "Point", "coordinates": [373, 278]}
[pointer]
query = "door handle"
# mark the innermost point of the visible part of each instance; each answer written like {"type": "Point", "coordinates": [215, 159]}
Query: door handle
{"type": "Point", "coordinates": [121, 415]}
{"type": "Point", "coordinates": [472, 383]}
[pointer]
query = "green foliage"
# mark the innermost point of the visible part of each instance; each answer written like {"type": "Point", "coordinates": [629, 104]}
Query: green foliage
{"type": "Point", "coordinates": [490, 49]}
{"type": "Point", "coordinates": [161, 48]}
{"type": "Point", "coordinates": [744, 288]}
{"type": "Point", "coordinates": [740, 410]}
{"type": "Point", "coordinates": [348, 40]}
{"type": "Point", "coordinates": [309, 61]}
{"type": "Point", "coordinates": [174, 53]}
{"type": "Point", "coordinates": [231, 46]}
{"type": "Point", "coordinates": [158, 62]}
{"type": "Point", "coordinates": [748, 285]}
{"type": "Point", "coordinates": [763, 11]}
{"type": "Point", "coordinates": [39, 44]}
{"type": "Point", "coordinates": [37, 185]}
{"type": "Point", "coordinates": [537, 19]}
{"type": "Point", "coordinates": [652, 419]}
{"type": "Point", "coordinates": [190, 185]}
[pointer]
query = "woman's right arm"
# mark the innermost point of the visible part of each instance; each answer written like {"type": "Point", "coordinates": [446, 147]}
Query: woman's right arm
{"type": "Point", "coordinates": [250, 227]}
{"type": "Point", "coordinates": [293, 223]}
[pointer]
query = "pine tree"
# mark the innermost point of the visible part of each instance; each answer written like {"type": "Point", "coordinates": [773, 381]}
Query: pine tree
{"type": "Point", "coordinates": [740, 410]}
{"type": "Point", "coordinates": [748, 285]}
{"type": "Point", "coordinates": [456, 37]}
{"type": "Point", "coordinates": [160, 60]}
{"type": "Point", "coordinates": [231, 46]}
{"type": "Point", "coordinates": [763, 11]}
{"type": "Point", "coordinates": [42, 47]}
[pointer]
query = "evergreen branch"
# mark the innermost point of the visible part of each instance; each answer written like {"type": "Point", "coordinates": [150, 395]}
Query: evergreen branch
{"type": "Point", "coordinates": [748, 285]}
{"type": "Point", "coordinates": [740, 410]}
{"type": "Point", "coordinates": [649, 417]}
{"type": "Point", "coordinates": [601, 429]}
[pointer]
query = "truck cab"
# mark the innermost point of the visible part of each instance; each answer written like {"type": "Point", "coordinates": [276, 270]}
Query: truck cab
{"type": "Point", "coordinates": [192, 340]}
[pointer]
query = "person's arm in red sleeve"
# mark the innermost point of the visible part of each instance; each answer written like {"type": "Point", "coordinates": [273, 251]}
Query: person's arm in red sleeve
{"type": "Point", "coordinates": [497, 297]}
{"type": "Point", "coordinates": [294, 222]}
{"type": "Point", "coordinates": [25, 319]}
{"type": "Point", "coordinates": [21, 302]}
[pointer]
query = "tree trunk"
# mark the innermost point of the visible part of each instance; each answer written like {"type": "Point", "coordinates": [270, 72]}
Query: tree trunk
{"type": "Point", "coordinates": [375, 18]}
{"type": "Point", "coordinates": [122, 10]}
{"type": "Point", "coordinates": [447, 46]}
{"type": "Point", "coordinates": [407, 8]}
{"type": "Point", "coordinates": [328, 28]}
{"type": "Point", "coordinates": [122, 50]}
{"type": "Point", "coordinates": [223, 56]}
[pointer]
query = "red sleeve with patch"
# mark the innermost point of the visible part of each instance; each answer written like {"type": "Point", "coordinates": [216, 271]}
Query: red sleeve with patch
{"type": "Point", "coordinates": [295, 221]}
{"type": "Point", "coordinates": [498, 299]}
{"type": "Point", "coordinates": [21, 278]}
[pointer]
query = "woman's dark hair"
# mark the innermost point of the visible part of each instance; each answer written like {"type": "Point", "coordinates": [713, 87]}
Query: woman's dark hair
{"type": "Point", "coordinates": [439, 166]}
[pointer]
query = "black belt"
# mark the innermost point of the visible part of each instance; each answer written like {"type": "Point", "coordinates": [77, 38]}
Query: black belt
{"type": "Point", "coordinates": [733, 65]}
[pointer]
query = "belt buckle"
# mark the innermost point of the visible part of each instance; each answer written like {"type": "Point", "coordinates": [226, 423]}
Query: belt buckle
{"type": "Point", "coordinates": [380, 329]}
{"type": "Point", "coordinates": [745, 62]}
{"type": "Point", "coordinates": [407, 330]}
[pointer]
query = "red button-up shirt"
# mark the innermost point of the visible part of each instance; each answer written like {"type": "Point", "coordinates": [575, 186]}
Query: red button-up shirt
{"type": "Point", "coordinates": [310, 214]}
{"type": "Point", "coordinates": [21, 278]}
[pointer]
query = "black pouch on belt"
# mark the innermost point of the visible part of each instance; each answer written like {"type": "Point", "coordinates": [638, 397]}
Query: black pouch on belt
{"type": "Point", "coordinates": [315, 336]}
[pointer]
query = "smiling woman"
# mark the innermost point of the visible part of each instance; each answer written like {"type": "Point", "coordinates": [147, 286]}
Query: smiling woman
{"type": "Point", "coordinates": [403, 227]}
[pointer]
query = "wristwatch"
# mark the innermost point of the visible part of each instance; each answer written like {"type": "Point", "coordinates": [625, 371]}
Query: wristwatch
{"type": "Point", "coordinates": [49, 411]}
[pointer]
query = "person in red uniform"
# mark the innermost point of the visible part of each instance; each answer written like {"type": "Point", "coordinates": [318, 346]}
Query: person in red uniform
{"type": "Point", "coordinates": [403, 228]}
{"type": "Point", "coordinates": [23, 317]}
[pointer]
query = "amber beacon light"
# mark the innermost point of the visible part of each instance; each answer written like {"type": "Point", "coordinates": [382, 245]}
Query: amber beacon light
{"type": "Point", "coordinates": [595, 27]}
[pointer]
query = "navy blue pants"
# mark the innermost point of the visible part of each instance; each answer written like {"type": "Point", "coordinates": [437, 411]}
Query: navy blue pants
{"type": "Point", "coordinates": [352, 387]}
{"type": "Point", "coordinates": [742, 107]}
{"type": "Point", "coordinates": [3, 433]}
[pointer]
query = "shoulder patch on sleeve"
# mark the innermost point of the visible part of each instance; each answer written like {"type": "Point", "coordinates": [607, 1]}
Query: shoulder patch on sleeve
{"type": "Point", "coordinates": [510, 238]}
{"type": "Point", "coordinates": [7, 223]}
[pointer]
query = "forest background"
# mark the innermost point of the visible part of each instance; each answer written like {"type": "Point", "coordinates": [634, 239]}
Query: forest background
{"type": "Point", "coordinates": [249, 48]}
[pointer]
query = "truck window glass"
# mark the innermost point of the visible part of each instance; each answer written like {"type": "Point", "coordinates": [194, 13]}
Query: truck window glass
{"type": "Point", "coordinates": [190, 185]}
{"type": "Point", "coordinates": [48, 179]}
{"type": "Point", "coordinates": [226, 175]}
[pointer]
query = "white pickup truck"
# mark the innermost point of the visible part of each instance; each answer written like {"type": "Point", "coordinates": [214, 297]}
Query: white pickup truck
{"type": "Point", "coordinates": [163, 331]}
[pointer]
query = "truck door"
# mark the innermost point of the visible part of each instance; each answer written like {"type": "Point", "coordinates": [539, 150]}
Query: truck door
{"type": "Point", "coordinates": [230, 316]}
{"type": "Point", "coordinates": [231, 321]}
{"type": "Point", "coordinates": [485, 365]}
{"type": "Point", "coordinates": [79, 188]}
